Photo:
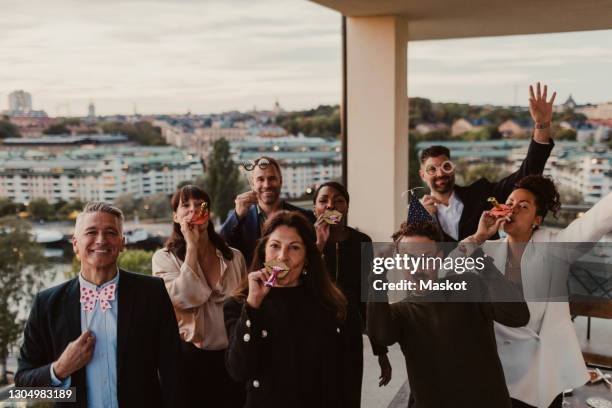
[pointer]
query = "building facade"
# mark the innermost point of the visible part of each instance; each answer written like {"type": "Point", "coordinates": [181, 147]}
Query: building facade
{"type": "Point", "coordinates": [20, 101]}
{"type": "Point", "coordinates": [95, 174]}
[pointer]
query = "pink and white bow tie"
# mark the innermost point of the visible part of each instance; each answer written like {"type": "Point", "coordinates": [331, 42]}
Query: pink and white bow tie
{"type": "Point", "coordinates": [90, 296]}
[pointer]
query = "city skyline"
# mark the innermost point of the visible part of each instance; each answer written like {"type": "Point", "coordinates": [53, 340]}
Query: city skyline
{"type": "Point", "coordinates": [211, 57]}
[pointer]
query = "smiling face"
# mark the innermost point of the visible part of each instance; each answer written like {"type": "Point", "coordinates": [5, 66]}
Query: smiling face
{"type": "Point", "coordinates": [98, 240]}
{"type": "Point", "coordinates": [524, 211]}
{"type": "Point", "coordinates": [189, 209]}
{"type": "Point", "coordinates": [267, 184]}
{"type": "Point", "coordinates": [286, 245]}
{"type": "Point", "coordinates": [440, 181]}
{"type": "Point", "coordinates": [330, 199]}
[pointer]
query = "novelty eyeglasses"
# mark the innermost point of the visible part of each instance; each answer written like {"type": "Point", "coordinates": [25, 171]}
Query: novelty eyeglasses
{"type": "Point", "coordinates": [249, 165]}
{"type": "Point", "coordinates": [447, 167]}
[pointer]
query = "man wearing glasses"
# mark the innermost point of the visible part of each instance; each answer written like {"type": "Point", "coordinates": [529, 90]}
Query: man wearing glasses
{"type": "Point", "coordinates": [458, 208]}
{"type": "Point", "coordinates": [242, 228]}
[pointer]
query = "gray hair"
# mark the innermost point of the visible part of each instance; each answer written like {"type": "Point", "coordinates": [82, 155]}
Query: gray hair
{"type": "Point", "coordinates": [99, 206]}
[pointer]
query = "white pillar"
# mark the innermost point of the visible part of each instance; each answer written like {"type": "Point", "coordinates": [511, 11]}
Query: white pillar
{"type": "Point", "coordinates": [377, 123]}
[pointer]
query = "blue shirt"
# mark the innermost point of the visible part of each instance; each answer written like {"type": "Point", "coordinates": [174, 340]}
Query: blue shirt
{"type": "Point", "coordinates": [101, 371]}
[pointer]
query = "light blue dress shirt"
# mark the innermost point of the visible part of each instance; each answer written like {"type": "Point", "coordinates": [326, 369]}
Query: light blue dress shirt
{"type": "Point", "coordinates": [101, 371]}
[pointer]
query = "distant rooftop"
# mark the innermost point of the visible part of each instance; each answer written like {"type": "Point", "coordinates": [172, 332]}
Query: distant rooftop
{"type": "Point", "coordinates": [65, 140]}
{"type": "Point", "coordinates": [285, 141]}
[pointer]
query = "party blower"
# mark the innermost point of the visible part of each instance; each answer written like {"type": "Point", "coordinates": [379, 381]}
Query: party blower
{"type": "Point", "coordinates": [277, 270]}
{"type": "Point", "coordinates": [201, 215]}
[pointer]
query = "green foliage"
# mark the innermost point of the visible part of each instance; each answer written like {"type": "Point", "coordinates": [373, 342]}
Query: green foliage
{"type": "Point", "coordinates": [127, 203]}
{"type": "Point", "coordinates": [22, 274]}
{"type": "Point", "coordinates": [468, 173]}
{"type": "Point", "coordinates": [569, 116]}
{"type": "Point", "coordinates": [63, 208]}
{"type": "Point", "coordinates": [136, 260]}
{"type": "Point", "coordinates": [420, 111]}
{"type": "Point", "coordinates": [563, 134]}
{"type": "Point", "coordinates": [324, 121]}
{"type": "Point", "coordinates": [40, 209]}
{"type": "Point", "coordinates": [476, 135]}
{"type": "Point", "coordinates": [222, 179]}
{"type": "Point", "coordinates": [8, 207]}
{"type": "Point", "coordinates": [494, 133]}
{"type": "Point", "coordinates": [7, 129]}
{"type": "Point", "coordinates": [157, 206]}
{"type": "Point", "coordinates": [438, 134]}
{"type": "Point", "coordinates": [57, 129]}
{"type": "Point", "coordinates": [414, 164]}
{"type": "Point", "coordinates": [71, 121]}
{"type": "Point", "coordinates": [142, 133]}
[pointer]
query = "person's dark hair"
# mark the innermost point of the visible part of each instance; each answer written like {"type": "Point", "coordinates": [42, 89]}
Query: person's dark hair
{"type": "Point", "coordinates": [176, 242]}
{"type": "Point", "coordinates": [435, 151]}
{"type": "Point", "coordinates": [336, 186]}
{"type": "Point", "coordinates": [545, 193]}
{"type": "Point", "coordinates": [317, 279]}
{"type": "Point", "coordinates": [421, 229]}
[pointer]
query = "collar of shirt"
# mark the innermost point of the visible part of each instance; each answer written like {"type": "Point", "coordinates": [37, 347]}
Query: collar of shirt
{"type": "Point", "coordinates": [223, 265]}
{"type": "Point", "coordinates": [449, 215]}
{"type": "Point", "coordinates": [261, 214]}
{"type": "Point", "coordinates": [87, 284]}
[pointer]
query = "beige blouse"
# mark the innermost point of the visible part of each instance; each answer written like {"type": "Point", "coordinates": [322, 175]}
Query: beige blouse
{"type": "Point", "coordinates": [198, 307]}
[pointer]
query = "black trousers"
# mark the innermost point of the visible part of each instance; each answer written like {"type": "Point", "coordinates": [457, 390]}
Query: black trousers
{"type": "Point", "coordinates": [557, 403]}
{"type": "Point", "coordinates": [205, 381]}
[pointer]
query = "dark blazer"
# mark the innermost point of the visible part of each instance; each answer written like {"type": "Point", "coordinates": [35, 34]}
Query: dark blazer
{"type": "Point", "coordinates": [148, 344]}
{"type": "Point", "coordinates": [291, 352]}
{"type": "Point", "coordinates": [243, 234]}
{"type": "Point", "coordinates": [474, 196]}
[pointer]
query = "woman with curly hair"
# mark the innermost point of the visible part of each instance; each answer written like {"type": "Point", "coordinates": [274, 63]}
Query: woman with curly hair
{"type": "Point", "coordinates": [542, 359]}
{"type": "Point", "coordinates": [288, 338]}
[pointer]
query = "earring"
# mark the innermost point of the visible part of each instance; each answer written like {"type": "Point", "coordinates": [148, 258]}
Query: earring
{"type": "Point", "coordinates": [534, 226]}
{"type": "Point", "coordinates": [304, 271]}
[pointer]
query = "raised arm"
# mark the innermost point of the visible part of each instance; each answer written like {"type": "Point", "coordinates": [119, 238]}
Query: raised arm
{"type": "Point", "coordinates": [230, 230]}
{"type": "Point", "coordinates": [592, 226]}
{"type": "Point", "coordinates": [36, 367]}
{"type": "Point", "coordinates": [540, 147]}
{"type": "Point", "coordinates": [541, 112]}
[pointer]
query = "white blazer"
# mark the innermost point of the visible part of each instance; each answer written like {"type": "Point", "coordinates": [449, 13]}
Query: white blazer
{"type": "Point", "coordinates": [542, 359]}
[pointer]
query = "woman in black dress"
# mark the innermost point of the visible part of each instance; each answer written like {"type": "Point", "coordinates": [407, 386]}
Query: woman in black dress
{"type": "Point", "coordinates": [289, 342]}
{"type": "Point", "coordinates": [342, 253]}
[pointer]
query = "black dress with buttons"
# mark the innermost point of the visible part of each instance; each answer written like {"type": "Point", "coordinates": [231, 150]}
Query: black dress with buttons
{"type": "Point", "coordinates": [291, 352]}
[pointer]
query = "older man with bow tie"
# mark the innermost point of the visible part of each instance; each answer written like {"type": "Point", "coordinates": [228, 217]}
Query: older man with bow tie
{"type": "Point", "coordinates": [109, 333]}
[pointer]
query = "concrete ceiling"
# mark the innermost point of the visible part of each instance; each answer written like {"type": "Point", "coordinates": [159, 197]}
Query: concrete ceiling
{"type": "Point", "coordinates": [442, 19]}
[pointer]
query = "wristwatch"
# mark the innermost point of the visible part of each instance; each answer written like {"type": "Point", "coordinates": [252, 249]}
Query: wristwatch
{"type": "Point", "coordinates": [544, 125]}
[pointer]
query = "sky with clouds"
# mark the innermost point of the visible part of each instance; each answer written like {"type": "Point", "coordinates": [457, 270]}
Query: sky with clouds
{"type": "Point", "coordinates": [166, 56]}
